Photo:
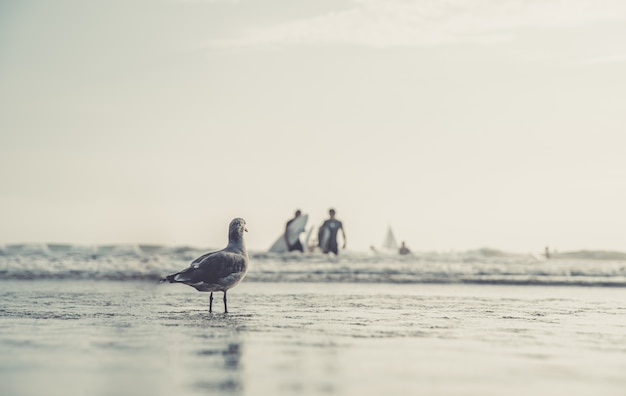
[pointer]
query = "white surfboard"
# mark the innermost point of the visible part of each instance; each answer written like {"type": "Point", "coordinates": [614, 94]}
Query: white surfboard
{"type": "Point", "coordinates": [324, 238]}
{"type": "Point", "coordinates": [307, 239]}
{"type": "Point", "coordinates": [293, 233]}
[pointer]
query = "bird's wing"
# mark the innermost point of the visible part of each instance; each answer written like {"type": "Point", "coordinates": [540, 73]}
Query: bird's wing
{"type": "Point", "coordinates": [199, 259]}
{"type": "Point", "coordinates": [187, 274]}
{"type": "Point", "coordinates": [218, 265]}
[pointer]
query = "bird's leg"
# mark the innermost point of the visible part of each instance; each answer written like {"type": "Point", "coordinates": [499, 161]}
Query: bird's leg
{"type": "Point", "coordinates": [211, 303]}
{"type": "Point", "coordinates": [225, 308]}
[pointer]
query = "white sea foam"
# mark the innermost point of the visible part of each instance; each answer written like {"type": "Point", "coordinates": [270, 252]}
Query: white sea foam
{"type": "Point", "coordinates": [150, 262]}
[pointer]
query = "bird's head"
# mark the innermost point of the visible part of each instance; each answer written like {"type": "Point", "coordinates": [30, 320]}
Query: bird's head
{"type": "Point", "coordinates": [236, 228]}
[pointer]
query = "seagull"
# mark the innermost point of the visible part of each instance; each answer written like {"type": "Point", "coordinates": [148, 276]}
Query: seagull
{"type": "Point", "coordinates": [219, 270]}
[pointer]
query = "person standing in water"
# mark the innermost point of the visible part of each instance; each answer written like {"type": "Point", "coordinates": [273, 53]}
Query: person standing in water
{"type": "Point", "coordinates": [403, 249]}
{"type": "Point", "coordinates": [297, 245]}
{"type": "Point", "coordinates": [331, 227]}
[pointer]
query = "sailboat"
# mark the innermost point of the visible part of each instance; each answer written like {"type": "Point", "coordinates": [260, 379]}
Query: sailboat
{"type": "Point", "coordinates": [390, 243]}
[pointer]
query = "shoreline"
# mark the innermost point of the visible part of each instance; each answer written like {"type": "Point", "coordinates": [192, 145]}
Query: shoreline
{"type": "Point", "coordinates": [327, 280]}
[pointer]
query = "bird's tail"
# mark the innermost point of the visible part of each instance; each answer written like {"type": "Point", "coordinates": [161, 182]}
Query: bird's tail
{"type": "Point", "coordinates": [169, 278]}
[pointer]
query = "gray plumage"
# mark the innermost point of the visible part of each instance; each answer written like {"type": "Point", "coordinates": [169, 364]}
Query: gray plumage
{"type": "Point", "coordinates": [220, 270]}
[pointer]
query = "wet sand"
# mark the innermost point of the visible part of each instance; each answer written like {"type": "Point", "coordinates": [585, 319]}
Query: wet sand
{"type": "Point", "coordinates": [139, 338]}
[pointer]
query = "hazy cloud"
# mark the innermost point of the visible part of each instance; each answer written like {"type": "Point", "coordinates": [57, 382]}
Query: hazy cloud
{"type": "Point", "coordinates": [387, 23]}
{"type": "Point", "coordinates": [620, 58]}
{"type": "Point", "coordinates": [202, 1]}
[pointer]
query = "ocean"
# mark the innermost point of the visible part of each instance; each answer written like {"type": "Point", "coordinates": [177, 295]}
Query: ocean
{"type": "Point", "coordinates": [77, 320]}
{"type": "Point", "coordinates": [481, 266]}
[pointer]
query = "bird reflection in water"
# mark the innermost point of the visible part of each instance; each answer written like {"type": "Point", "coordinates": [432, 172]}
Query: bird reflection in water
{"type": "Point", "coordinates": [223, 366]}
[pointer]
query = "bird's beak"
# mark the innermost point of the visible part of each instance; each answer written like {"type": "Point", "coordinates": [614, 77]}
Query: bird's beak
{"type": "Point", "coordinates": [245, 229]}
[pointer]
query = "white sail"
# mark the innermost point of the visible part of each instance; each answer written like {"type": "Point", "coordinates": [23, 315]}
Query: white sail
{"type": "Point", "coordinates": [390, 240]}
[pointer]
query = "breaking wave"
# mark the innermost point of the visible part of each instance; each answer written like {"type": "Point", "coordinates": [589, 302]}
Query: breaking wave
{"type": "Point", "coordinates": [151, 262]}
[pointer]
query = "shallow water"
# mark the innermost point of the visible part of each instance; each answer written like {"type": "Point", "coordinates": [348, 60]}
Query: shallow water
{"type": "Point", "coordinates": [75, 337]}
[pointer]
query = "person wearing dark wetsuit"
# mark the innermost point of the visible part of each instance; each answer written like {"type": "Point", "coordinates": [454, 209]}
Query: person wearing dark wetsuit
{"type": "Point", "coordinates": [297, 245]}
{"type": "Point", "coordinates": [333, 225]}
{"type": "Point", "coordinates": [404, 250]}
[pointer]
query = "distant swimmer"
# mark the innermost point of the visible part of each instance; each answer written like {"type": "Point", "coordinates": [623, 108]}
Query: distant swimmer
{"type": "Point", "coordinates": [296, 245]}
{"type": "Point", "coordinates": [327, 235]}
{"type": "Point", "coordinates": [403, 249]}
{"type": "Point", "coordinates": [547, 253]}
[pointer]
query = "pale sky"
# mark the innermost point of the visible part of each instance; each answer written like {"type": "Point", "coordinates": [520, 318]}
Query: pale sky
{"type": "Point", "coordinates": [460, 123]}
